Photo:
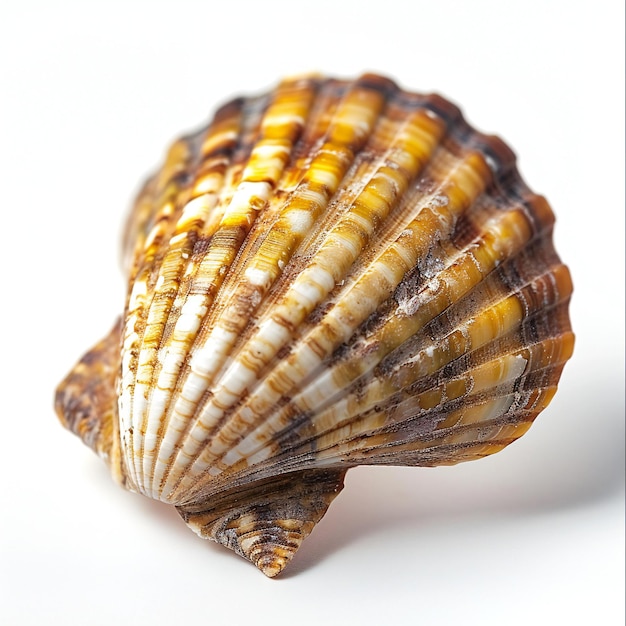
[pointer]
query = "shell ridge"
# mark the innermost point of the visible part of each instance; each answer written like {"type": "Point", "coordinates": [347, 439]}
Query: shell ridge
{"type": "Point", "coordinates": [233, 353]}
{"type": "Point", "coordinates": [137, 306]}
{"type": "Point", "coordinates": [346, 454]}
{"type": "Point", "coordinates": [252, 170]}
{"type": "Point", "coordinates": [330, 400]}
{"type": "Point", "coordinates": [286, 184]}
{"type": "Point", "coordinates": [184, 433]}
{"type": "Point", "coordinates": [265, 161]}
{"type": "Point", "coordinates": [504, 375]}
{"type": "Point", "coordinates": [290, 310]}
{"type": "Point", "coordinates": [164, 191]}
{"type": "Point", "coordinates": [359, 108]}
{"type": "Point", "coordinates": [300, 455]}
{"type": "Point", "coordinates": [192, 221]}
{"type": "Point", "coordinates": [289, 362]}
{"type": "Point", "coordinates": [364, 179]}
{"type": "Point", "coordinates": [150, 317]}
{"type": "Point", "coordinates": [240, 149]}
{"type": "Point", "coordinates": [363, 426]}
{"type": "Point", "coordinates": [412, 402]}
{"type": "Point", "coordinates": [298, 460]}
{"type": "Point", "coordinates": [471, 159]}
{"type": "Point", "coordinates": [556, 354]}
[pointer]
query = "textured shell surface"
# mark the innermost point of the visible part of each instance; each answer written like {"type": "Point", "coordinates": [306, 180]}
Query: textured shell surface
{"type": "Point", "coordinates": [335, 273]}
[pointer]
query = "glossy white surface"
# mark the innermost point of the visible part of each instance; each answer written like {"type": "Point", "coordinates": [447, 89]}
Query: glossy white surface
{"type": "Point", "coordinates": [92, 93]}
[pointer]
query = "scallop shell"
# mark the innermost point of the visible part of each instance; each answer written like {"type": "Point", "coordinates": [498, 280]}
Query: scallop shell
{"type": "Point", "coordinates": [332, 274]}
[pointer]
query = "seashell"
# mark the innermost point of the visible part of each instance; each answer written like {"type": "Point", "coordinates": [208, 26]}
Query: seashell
{"type": "Point", "coordinates": [332, 274]}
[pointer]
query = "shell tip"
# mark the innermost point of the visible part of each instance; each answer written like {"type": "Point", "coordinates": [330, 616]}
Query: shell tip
{"type": "Point", "coordinates": [268, 524]}
{"type": "Point", "coordinates": [272, 565]}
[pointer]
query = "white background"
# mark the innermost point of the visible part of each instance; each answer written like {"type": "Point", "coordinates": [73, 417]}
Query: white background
{"type": "Point", "coordinates": [91, 93]}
